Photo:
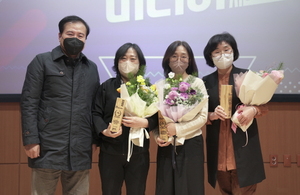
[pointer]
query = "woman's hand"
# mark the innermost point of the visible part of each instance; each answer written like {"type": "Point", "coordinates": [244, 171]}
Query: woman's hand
{"type": "Point", "coordinates": [171, 128]}
{"type": "Point", "coordinates": [162, 143]}
{"type": "Point", "coordinates": [135, 122]}
{"type": "Point", "coordinates": [219, 113]}
{"type": "Point", "coordinates": [246, 114]}
{"type": "Point", "coordinates": [107, 132]}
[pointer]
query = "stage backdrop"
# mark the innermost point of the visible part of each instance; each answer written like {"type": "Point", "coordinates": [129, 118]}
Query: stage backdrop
{"type": "Point", "coordinates": [267, 33]}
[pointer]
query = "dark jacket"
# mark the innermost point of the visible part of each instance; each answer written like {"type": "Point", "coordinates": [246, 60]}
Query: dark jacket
{"type": "Point", "coordinates": [249, 162]}
{"type": "Point", "coordinates": [102, 116]}
{"type": "Point", "coordinates": [56, 107]}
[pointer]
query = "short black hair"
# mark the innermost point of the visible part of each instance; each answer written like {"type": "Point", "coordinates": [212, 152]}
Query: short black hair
{"type": "Point", "coordinates": [122, 51]}
{"type": "Point", "coordinates": [213, 43]}
{"type": "Point", "coordinates": [191, 69]}
{"type": "Point", "coordinates": [72, 18]}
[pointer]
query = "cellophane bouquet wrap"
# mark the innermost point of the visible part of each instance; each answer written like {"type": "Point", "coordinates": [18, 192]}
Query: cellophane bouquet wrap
{"type": "Point", "coordinates": [255, 88]}
{"type": "Point", "coordinates": [179, 101]}
{"type": "Point", "coordinates": [141, 101]}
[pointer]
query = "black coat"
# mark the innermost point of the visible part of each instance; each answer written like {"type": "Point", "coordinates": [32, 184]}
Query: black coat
{"type": "Point", "coordinates": [102, 116]}
{"type": "Point", "coordinates": [56, 108]}
{"type": "Point", "coordinates": [249, 162]}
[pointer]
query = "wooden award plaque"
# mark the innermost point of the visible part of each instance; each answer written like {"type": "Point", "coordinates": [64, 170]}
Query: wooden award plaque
{"type": "Point", "coordinates": [118, 115]}
{"type": "Point", "coordinates": [226, 99]}
{"type": "Point", "coordinates": [163, 133]}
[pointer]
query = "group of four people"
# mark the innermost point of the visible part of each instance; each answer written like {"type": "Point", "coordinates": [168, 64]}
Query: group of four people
{"type": "Point", "coordinates": [66, 113]}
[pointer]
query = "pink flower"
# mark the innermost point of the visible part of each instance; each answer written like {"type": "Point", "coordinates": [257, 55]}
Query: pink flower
{"type": "Point", "coordinates": [265, 74]}
{"type": "Point", "coordinates": [183, 86]}
{"type": "Point", "coordinates": [277, 76]}
{"type": "Point", "coordinates": [173, 94]}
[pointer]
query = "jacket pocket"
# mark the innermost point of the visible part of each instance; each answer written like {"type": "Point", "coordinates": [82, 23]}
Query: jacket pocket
{"type": "Point", "coordinates": [43, 118]}
{"type": "Point", "coordinates": [53, 76]}
{"type": "Point", "coordinates": [54, 71]}
{"type": "Point", "coordinates": [56, 83]}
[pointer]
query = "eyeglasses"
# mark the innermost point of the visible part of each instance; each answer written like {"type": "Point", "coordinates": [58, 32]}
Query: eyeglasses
{"type": "Point", "coordinates": [218, 54]}
{"type": "Point", "coordinates": [182, 58]}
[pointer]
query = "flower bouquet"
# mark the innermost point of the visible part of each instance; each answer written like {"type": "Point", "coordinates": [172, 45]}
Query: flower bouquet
{"type": "Point", "coordinates": [141, 99]}
{"type": "Point", "coordinates": [255, 89]}
{"type": "Point", "coordinates": [179, 100]}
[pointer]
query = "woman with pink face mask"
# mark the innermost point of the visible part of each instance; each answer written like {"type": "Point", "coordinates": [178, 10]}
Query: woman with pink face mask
{"type": "Point", "coordinates": [236, 167]}
{"type": "Point", "coordinates": [113, 165]}
{"type": "Point", "coordinates": [180, 167]}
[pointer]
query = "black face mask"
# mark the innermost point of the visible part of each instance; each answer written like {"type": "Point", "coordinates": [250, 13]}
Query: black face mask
{"type": "Point", "coordinates": [73, 46]}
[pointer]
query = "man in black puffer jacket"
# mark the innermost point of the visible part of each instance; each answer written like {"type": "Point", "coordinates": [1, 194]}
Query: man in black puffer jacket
{"type": "Point", "coordinates": [56, 104]}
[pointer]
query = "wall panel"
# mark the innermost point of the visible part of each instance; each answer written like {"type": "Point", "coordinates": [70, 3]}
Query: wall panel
{"type": "Point", "coordinates": [280, 180]}
{"type": "Point", "coordinates": [280, 130]}
{"type": "Point", "coordinates": [10, 132]}
{"type": "Point", "coordinates": [9, 179]}
{"type": "Point", "coordinates": [25, 178]}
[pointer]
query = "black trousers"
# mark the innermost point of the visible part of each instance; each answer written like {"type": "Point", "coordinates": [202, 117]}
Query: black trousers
{"type": "Point", "coordinates": [114, 170]}
{"type": "Point", "coordinates": [188, 175]}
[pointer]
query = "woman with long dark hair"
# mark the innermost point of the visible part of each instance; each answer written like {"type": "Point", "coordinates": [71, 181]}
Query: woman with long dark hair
{"type": "Point", "coordinates": [180, 164]}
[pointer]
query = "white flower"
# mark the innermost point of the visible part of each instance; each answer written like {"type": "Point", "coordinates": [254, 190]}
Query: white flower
{"type": "Point", "coordinates": [171, 75]}
{"type": "Point", "coordinates": [167, 86]}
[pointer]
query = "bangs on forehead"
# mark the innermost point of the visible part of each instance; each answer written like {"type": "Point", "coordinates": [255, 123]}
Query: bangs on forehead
{"type": "Point", "coordinates": [132, 51]}
{"type": "Point", "coordinates": [221, 45]}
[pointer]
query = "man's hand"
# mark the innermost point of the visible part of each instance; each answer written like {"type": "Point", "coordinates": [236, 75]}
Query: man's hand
{"type": "Point", "coordinates": [32, 150]}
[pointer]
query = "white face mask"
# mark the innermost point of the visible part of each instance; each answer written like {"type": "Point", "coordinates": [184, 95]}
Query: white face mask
{"type": "Point", "coordinates": [178, 67]}
{"type": "Point", "coordinates": [224, 61]}
{"type": "Point", "coordinates": [128, 67]}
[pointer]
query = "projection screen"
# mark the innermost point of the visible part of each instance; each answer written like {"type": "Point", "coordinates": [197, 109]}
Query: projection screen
{"type": "Point", "coordinates": [267, 33]}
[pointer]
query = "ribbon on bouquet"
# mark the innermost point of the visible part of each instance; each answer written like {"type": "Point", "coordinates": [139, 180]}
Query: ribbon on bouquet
{"type": "Point", "coordinates": [234, 126]}
{"type": "Point", "coordinates": [136, 137]}
{"type": "Point", "coordinates": [174, 152]}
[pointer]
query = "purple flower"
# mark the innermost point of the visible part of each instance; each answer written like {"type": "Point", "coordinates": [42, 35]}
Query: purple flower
{"type": "Point", "coordinates": [173, 94]}
{"type": "Point", "coordinates": [169, 101]}
{"type": "Point", "coordinates": [193, 92]}
{"type": "Point", "coordinates": [184, 96]}
{"type": "Point", "coordinates": [183, 86]}
{"type": "Point", "coordinates": [174, 88]}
